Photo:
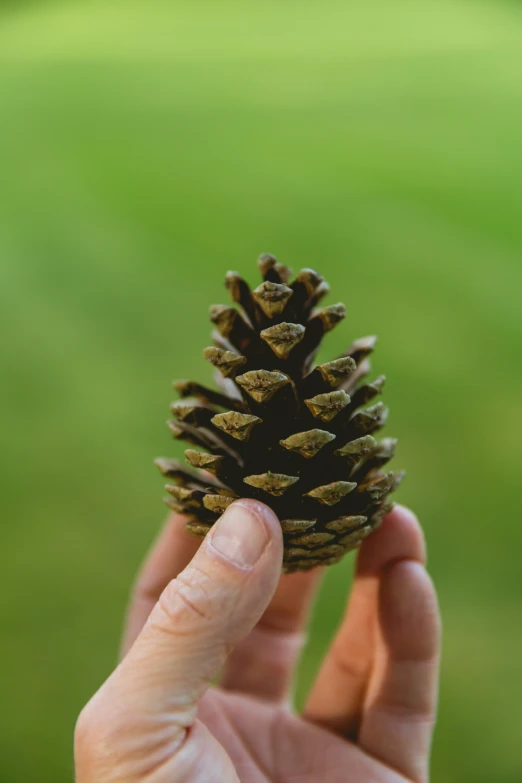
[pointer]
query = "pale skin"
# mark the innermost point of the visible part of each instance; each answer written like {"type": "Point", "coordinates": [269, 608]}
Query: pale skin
{"type": "Point", "coordinates": [197, 611]}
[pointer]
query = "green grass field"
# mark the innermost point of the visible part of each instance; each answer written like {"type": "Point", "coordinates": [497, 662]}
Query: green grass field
{"type": "Point", "coordinates": [146, 148]}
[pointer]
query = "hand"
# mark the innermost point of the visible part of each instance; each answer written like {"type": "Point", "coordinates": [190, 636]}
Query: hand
{"type": "Point", "coordinates": [370, 714]}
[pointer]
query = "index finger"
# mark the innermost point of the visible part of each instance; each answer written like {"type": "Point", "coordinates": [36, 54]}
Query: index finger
{"type": "Point", "coordinates": [170, 553]}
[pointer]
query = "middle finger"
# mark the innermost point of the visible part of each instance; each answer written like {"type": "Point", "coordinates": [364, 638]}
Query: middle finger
{"type": "Point", "coordinates": [338, 694]}
{"type": "Point", "coordinates": [264, 664]}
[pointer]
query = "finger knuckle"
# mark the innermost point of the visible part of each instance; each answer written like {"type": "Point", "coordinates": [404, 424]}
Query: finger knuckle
{"type": "Point", "coordinates": [186, 604]}
{"type": "Point", "coordinates": [404, 713]}
{"type": "Point", "coordinates": [349, 666]}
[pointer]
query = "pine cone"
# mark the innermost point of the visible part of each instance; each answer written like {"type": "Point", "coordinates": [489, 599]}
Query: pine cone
{"type": "Point", "coordinates": [281, 430]}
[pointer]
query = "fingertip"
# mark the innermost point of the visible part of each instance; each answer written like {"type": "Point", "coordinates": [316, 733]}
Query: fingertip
{"type": "Point", "coordinates": [409, 612]}
{"type": "Point", "coordinates": [400, 537]}
{"type": "Point", "coordinates": [406, 515]}
{"type": "Point", "coordinates": [407, 526]}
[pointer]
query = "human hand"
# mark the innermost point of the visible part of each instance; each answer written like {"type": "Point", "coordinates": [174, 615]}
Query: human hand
{"type": "Point", "coordinates": [369, 717]}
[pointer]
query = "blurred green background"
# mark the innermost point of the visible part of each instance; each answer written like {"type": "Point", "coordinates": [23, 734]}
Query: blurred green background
{"type": "Point", "coordinates": [146, 148]}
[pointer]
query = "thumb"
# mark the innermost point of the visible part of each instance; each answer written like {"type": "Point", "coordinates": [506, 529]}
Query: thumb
{"type": "Point", "coordinates": [139, 719]}
{"type": "Point", "coordinates": [203, 613]}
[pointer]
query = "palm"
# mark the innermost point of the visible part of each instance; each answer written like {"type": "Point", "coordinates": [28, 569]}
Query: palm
{"type": "Point", "coordinates": [377, 684]}
{"type": "Point", "coordinates": [266, 743]}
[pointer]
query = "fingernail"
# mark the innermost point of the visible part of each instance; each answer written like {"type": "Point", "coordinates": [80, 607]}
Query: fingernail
{"type": "Point", "coordinates": [240, 536]}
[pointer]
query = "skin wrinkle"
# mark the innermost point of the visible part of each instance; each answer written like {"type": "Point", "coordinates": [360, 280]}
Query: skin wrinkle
{"type": "Point", "coordinates": [238, 751]}
{"type": "Point", "coordinates": [183, 592]}
{"type": "Point", "coordinates": [107, 738]}
{"type": "Point", "coordinates": [165, 629]}
{"type": "Point", "coordinates": [295, 638]}
{"type": "Point", "coordinates": [212, 712]}
{"type": "Point", "coordinates": [277, 623]}
{"type": "Point", "coordinates": [195, 570]}
{"type": "Point", "coordinates": [154, 770]}
{"type": "Point", "coordinates": [188, 585]}
{"type": "Point", "coordinates": [290, 644]}
{"type": "Point", "coordinates": [248, 748]}
{"type": "Point", "coordinates": [397, 702]}
{"type": "Point", "coordinates": [401, 713]}
{"type": "Point", "coordinates": [309, 775]}
{"type": "Point", "coordinates": [350, 667]}
{"type": "Point", "coordinates": [272, 738]}
{"type": "Point", "coordinates": [156, 766]}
